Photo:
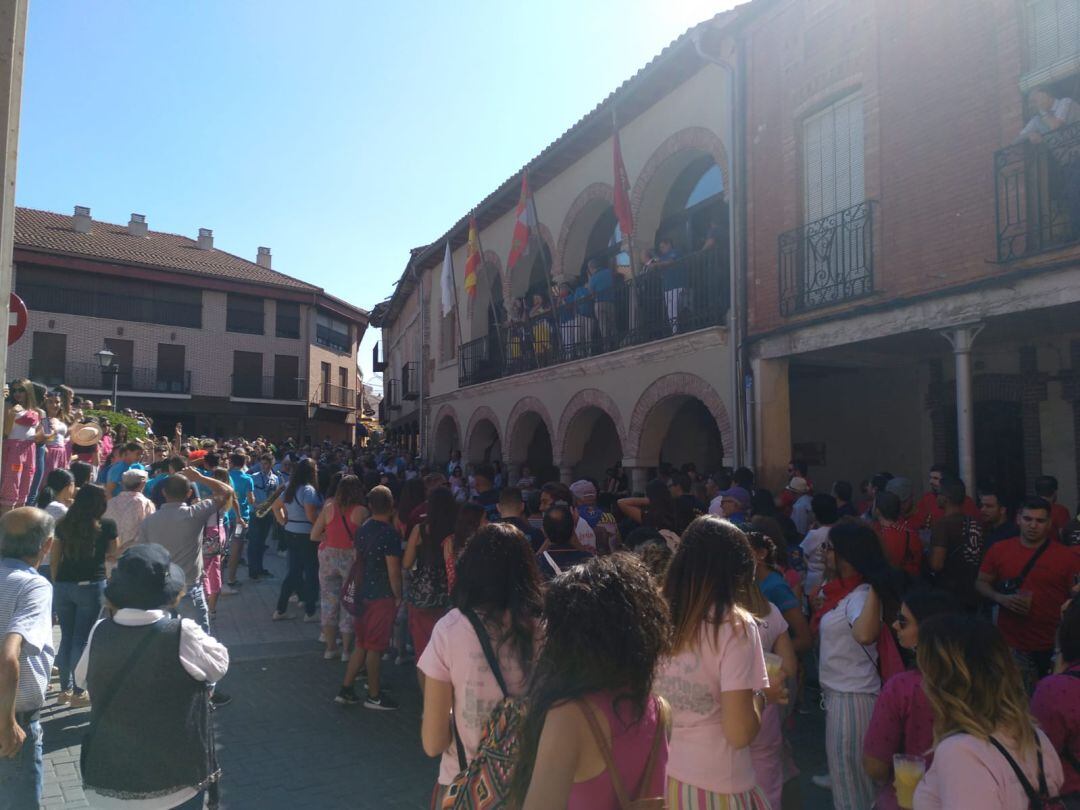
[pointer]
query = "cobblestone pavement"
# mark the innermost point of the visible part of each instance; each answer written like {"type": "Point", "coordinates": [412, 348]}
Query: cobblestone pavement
{"type": "Point", "coordinates": [283, 743]}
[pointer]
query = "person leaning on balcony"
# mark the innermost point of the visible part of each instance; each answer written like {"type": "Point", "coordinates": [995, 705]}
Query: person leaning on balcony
{"type": "Point", "coordinates": [566, 315]}
{"type": "Point", "coordinates": [1050, 113]}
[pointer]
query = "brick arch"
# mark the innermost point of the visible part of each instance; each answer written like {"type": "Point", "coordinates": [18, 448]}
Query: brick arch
{"type": "Point", "coordinates": [479, 415]}
{"type": "Point", "coordinates": [545, 234]}
{"type": "Point", "coordinates": [697, 138]}
{"type": "Point", "coordinates": [447, 410]}
{"type": "Point", "coordinates": [591, 193]}
{"type": "Point", "coordinates": [674, 385]}
{"type": "Point", "coordinates": [521, 407]}
{"type": "Point", "coordinates": [588, 398]}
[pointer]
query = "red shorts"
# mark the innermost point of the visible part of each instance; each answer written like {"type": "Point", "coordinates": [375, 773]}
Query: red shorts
{"type": "Point", "coordinates": [375, 626]}
{"type": "Point", "coordinates": [421, 623]}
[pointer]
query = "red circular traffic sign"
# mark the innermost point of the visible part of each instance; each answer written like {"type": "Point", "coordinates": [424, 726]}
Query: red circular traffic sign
{"type": "Point", "coordinates": [17, 318]}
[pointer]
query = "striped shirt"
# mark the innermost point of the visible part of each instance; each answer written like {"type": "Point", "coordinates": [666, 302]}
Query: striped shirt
{"type": "Point", "coordinates": [26, 609]}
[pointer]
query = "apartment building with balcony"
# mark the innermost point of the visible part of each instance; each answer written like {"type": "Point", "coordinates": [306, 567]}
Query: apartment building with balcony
{"type": "Point", "coordinates": [913, 286]}
{"type": "Point", "coordinates": [501, 380]}
{"type": "Point", "coordinates": [225, 345]}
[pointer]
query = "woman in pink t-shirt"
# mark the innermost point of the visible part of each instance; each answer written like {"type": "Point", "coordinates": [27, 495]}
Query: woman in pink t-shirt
{"type": "Point", "coordinates": [594, 738]}
{"type": "Point", "coordinates": [715, 675]}
{"type": "Point", "coordinates": [983, 732]}
{"type": "Point", "coordinates": [499, 585]}
{"type": "Point", "coordinates": [902, 722]}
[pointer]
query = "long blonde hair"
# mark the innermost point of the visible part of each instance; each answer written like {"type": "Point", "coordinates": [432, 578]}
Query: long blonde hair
{"type": "Point", "coordinates": [972, 682]}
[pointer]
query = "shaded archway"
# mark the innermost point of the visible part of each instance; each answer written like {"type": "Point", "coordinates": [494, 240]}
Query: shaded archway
{"type": "Point", "coordinates": [681, 192]}
{"type": "Point", "coordinates": [679, 418]}
{"type": "Point", "coordinates": [590, 434]}
{"type": "Point", "coordinates": [487, 308]}
{"type": "Point", "coordinates": [530, 274]}
{"type": "Point", "coordinates": [529, 439]}
{"type": "Point", "coordinates": [447, 435]}
{"type": "Point", "coordinates": [593, 207]}
{"type": "Point", "coordinates": [483, 443]}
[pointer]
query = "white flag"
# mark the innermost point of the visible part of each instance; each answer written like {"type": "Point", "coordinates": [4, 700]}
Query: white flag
{"type": "Point", "coordinates": [447, 282]}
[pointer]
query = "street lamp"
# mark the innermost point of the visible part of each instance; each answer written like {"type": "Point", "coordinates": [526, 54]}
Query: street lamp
{"type": "Point", "coordinates": [105, 360]}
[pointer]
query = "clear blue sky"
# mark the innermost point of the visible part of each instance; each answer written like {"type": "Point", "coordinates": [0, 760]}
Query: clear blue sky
{"type": "Point", "coordinates": [338, 132]}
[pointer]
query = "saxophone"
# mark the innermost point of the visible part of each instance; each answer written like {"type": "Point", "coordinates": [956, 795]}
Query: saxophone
{"type": "Point", "coordinates": [263, 509]}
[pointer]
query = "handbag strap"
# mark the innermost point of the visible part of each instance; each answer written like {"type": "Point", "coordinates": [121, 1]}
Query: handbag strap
{"type": "Point", "coordinates": [1031, 562]}
{"type": "Point", "coordinates": [605, 751]}
{"type": "Point", "coordinates": [341, 514]}
{"type": "Point", "coordinates": [1036, 799]}
{"type": "Point", "coordinates": [663, 725]}
{"type": "Point", "coordinates": [485, 645]}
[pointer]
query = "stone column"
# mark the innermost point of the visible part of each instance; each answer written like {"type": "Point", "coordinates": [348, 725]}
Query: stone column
{"type": "Point", "coordinates": [772, 418]}
{"type": "Point", "coordinates": [639, 476]}
{"type": "Point", "coordinates": [962, 338]}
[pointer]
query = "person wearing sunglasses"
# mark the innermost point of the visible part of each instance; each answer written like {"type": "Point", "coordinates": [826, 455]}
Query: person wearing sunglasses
{"type": "Point", "coordinates": [902, 722]}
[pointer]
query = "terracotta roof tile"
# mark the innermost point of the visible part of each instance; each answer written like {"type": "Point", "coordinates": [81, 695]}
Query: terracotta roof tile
{"type": "Point", "coordinates": [49, 231]}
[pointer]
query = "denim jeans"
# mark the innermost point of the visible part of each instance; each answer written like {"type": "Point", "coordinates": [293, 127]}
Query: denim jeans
{"type": "Point", "coordinates": [258, 531]}
{"type": "Point", "coordinates": [77, 607]}
{"type": "Point", "coordinates": [303, 576]}
{"type": "Point", "coordinates": [22, 777]}
{"type": "Point", "coordinates": [200, 607]}
{"type": "Point", "coordinates": [39, 473]}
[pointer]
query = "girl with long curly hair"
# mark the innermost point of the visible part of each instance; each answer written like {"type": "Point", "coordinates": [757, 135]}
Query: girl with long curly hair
{"type": "Point", "coordinates": [497, 606]}
{"type": "Point", "coordinates": [983, 731]}
{"type": "Point", "coordinates": [594, 735]}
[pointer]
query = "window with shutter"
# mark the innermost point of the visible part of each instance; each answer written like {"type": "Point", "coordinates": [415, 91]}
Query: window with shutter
{"type": "Point", "coordinates": [1053, 39]}
{"type": "Point", "coordinates": [833, 159]}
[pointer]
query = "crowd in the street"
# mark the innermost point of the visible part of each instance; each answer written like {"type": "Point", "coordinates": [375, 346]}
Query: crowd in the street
{"type": "Point", "coordinates": [577, 645]}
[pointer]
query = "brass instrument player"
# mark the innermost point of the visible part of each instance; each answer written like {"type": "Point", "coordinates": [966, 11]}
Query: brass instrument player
{"type": "Point", "coordinates": [268, 485]}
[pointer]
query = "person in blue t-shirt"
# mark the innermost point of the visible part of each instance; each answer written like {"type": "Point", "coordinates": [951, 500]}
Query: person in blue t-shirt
{"type": "Point", "coordinates": [244, 487]}
{"type": "Point", "coordinates": [129, 460]}
{"type": "Point", "coordinates": [602, 288]}
{"type": "Point", "coordinates": [583, 324]}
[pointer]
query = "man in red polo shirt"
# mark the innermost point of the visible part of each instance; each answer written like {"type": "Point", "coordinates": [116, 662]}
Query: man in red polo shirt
{"type": "Point", "coordinates": [1046, 487]}
{"type": "Point", "coordinates": [1030, 601]}
{"type": "Point", "coordinates": [930, 509]}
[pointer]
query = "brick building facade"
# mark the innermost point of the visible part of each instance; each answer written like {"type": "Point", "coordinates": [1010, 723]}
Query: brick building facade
{"type": "Point", "coordinates": [224, 345]}
{"type": "Point", "coordinates": [929, 314]}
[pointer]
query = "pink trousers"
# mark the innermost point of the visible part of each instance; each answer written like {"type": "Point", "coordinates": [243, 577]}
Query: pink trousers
{"type": "Point", "coordinates": [18, 471]}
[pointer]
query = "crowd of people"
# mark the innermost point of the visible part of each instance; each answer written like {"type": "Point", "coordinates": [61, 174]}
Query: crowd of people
{"type": "Point", "coordinates": [576, 645]}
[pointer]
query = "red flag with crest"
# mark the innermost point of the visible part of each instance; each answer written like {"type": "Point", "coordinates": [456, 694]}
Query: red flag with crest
{"type": "Point", "coordinates": [524, 223]}
{"type": "Point", "coordinates": [622, 192]}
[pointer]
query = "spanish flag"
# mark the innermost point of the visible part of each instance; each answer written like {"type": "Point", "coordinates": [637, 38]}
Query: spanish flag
{"type": "Point", "coordinates": [473, 259]}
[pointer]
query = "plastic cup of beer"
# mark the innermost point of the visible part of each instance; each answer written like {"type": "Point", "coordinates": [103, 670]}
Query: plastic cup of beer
{"type": "Point", "coordinates": [774, 667]}
{"type": "Point", "coordinates": [907, 770]}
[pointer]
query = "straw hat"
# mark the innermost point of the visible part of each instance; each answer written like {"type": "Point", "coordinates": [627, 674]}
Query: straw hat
{"type": "Point", "coordinates": [86, 435]}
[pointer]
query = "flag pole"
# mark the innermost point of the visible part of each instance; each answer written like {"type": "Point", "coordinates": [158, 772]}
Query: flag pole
{"type": "Point", "coordinates": [629, 236]}
{"type": "Point", "coordinates": [557, 338]}
{"type": "Point", "coordinates": [491, 301]}
{"type": "Point", "coordinates": [457, 307]}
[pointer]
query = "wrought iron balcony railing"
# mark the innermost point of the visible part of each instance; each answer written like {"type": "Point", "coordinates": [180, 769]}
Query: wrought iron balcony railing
{"type": "Point", "coordinates": [685, 295]}
{"type": "Point", "coordinates": [828, 261]}
{"type": "Point", "coordinates": [90, 376]}
{"type": "Point", "coordinates": [1037, 188]}
{"type": "Point", "coordinates": [336, 396]}
{"type": "Point", "coordinates": [392, 395]}
{"type": "Point", "coordinates": [410, 381]}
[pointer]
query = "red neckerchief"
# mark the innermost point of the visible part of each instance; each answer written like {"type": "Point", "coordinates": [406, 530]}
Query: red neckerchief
{"type": "Point", "coordinates": [834, 590]}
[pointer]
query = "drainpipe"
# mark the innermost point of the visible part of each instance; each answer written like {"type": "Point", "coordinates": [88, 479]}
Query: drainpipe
{"type": "Point", "coordinates": [735, 341]}
{"type": "Point", "coordinates": [421, 364]}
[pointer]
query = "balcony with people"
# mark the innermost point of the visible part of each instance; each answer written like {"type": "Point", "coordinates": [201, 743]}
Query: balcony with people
{"type": "Point", "coordinates": [1037, 177]}
{"type": "Point", "coordinates": [603, 301]}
